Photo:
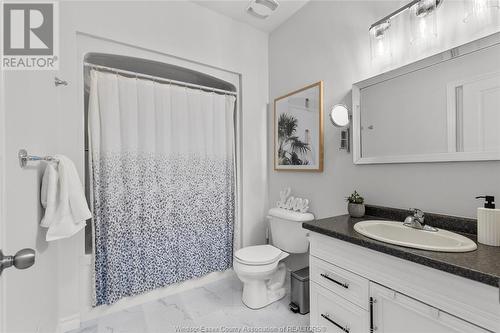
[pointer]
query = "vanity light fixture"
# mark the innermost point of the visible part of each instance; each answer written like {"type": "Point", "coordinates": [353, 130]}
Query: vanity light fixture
{"type": "Point", "coordinates": [480, 10]}
{"type": "Point", "coordinates": [422, 23]}
{"type": "Point", "coordinates": [380, 41]}
{"type": "Point", "coordinates": [262, 8]}
{"type": "Point", "coordinates": [425, 7]}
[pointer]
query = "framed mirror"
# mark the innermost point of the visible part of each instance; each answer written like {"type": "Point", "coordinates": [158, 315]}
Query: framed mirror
{"type": "Point", "coordinates": [298, 130]}
{"type": "Point", "coordinates": [442, 108]}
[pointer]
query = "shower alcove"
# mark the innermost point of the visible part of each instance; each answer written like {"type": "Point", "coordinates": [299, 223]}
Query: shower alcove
{"type": "Point", "coordinates": [164, 71]}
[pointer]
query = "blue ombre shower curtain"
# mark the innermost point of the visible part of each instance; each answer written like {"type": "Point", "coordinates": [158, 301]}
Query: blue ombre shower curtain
{"type": "Point", "coordinates": [163, 183]}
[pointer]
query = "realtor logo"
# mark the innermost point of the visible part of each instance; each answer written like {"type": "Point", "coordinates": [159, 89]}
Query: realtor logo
{"type": "Point", "coordinates": [29, 36]}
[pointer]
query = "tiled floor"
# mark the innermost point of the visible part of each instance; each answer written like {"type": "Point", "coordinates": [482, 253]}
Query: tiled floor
{"type": "Point", "coordinates": [216, 306]}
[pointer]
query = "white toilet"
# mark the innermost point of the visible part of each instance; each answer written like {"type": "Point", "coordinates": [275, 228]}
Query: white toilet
{"type": "Point", "coordinates": [259, 267]}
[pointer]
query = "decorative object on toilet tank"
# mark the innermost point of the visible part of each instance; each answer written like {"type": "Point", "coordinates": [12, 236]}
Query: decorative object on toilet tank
{"type": "Point", "coordinates": [291, 203]}
{"type": "Point", "coordinates": [355, 206]}
{"type": "Point", "coordinates": [298, 130]}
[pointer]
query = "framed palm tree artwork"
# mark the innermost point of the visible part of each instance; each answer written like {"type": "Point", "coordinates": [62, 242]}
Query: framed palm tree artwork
{"type": "Point", "coordinates": [298, 130]}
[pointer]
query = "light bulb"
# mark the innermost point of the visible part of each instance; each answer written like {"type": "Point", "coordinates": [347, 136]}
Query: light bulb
{"type": "Point", "coordinates": [380, 41]}
{"type": "Point", "coordinates": [423, 22]}
{"type": "Point", "coordinates": [480, 10]}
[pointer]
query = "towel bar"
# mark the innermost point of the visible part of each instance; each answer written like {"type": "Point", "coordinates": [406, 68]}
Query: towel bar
{"type": "Point", "coordinates": [24, 158]}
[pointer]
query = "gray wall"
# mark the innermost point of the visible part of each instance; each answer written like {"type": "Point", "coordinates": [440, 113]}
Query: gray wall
{"type": "Point", "coordinates": [329, 41]}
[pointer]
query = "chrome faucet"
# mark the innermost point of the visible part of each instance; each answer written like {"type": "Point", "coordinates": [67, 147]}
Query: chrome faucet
{"type": "Point", "coordinates": [417, 221]}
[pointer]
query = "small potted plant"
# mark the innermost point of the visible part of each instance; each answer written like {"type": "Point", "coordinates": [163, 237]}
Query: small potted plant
{"type": "Point", "coordinates": [355, 206]}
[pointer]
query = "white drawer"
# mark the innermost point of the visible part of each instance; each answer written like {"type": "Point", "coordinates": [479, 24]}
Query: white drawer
{"type": "Point", "coordinates": [352, 287]}
{"type": "Point", "coordinates": [332, 313]}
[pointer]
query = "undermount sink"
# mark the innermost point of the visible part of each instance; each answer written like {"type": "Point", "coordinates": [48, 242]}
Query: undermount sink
{"type": "Point", "coordinates": [396, 233]}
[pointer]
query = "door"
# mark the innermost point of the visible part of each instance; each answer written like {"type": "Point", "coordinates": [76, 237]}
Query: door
{"type": "Point", "coordinates": [395, 313]}
{"type": "Point", "coordinates": [29, 120]}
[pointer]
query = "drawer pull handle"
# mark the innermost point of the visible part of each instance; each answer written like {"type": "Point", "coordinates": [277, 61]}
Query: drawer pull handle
{"type": "Point", "coordinates": [373, 328]}
{"type": "Point", "coordinates": [345, 285]}
{"type": "Point", "coordinates": [327, 317]}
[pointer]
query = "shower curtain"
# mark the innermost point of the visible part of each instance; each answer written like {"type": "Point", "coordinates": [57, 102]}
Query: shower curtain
{"type": "Point", "coordinates": [162, 161]}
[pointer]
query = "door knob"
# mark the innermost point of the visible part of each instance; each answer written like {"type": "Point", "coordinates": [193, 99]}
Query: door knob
{"type": "Point", "coordinates": [23, 259]}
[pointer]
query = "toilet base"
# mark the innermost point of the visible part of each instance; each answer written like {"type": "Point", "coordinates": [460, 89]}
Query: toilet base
{"type": "Point", "coordinates": [260, 293]}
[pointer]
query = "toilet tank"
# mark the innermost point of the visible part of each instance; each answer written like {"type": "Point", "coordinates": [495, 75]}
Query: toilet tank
{"type": "Point", "coordinates": [287, 233]}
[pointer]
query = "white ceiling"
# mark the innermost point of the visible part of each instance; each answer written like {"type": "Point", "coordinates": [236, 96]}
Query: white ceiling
{"type": "Point", "coordinates": [236, 9]}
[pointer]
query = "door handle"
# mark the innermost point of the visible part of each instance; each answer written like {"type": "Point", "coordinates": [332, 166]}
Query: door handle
{"type": "Point", "coordinates": [23, 259]}
{"type": "Point", "coordinates": [373, 328]}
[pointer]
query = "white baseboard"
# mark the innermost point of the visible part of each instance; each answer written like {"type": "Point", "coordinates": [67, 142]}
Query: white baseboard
{"type": "Point", "coordinates": [69, 323]}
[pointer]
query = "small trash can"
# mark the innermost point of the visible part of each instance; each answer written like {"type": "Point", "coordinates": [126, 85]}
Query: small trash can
{"type": "Point", "coordinates": [299, 295]}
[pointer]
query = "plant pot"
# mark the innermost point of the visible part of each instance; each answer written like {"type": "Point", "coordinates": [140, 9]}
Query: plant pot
{"type": "Point", "coordinates": [356, 210]}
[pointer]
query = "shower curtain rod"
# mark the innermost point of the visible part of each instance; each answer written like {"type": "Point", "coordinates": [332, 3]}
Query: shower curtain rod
{"type": "Point", "coordinates": [158, 79]}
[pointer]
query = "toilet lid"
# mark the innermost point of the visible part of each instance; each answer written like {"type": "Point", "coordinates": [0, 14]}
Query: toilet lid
{"type": "Point", "coordinates": [258, 255]}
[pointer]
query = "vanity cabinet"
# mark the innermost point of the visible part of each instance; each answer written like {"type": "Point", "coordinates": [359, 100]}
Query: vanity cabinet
{"type": "Point", "coordinates": [393, 312]}
{"type": "Point", "coordinates": [354, 289]}
{"type": "Point", "coordinates": [335, 313]}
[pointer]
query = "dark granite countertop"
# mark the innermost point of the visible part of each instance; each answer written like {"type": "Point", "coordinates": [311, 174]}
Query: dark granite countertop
{"type": "Point", "coordinates": [482, 265]}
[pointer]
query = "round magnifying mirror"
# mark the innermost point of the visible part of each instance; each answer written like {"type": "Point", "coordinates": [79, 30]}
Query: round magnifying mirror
{"type": "Point", "coordinates": [339, 115]}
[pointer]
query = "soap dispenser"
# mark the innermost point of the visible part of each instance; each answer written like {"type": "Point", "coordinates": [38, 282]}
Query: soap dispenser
{"type": "Point", "coordinates": [488, 222]}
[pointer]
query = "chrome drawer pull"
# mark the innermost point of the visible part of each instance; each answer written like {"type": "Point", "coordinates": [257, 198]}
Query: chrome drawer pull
{"type": "Point", "coordinates": [327, 317]}
{"type": "Point", "coordinates": [345, 285]}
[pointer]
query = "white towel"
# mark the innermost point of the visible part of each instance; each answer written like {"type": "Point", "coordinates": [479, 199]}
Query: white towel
{"type": "Point", "coordinates": [64, 201]}
{"type": "Point", "coordinates": [48, 195]}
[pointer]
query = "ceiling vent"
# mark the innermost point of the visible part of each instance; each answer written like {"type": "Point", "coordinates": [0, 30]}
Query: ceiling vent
{"type": "Point", "coordinates": [262, 9]}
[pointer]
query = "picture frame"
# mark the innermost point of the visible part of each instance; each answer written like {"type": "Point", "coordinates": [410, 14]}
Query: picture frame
{"type": "Point", "coordinates": [298, 130]}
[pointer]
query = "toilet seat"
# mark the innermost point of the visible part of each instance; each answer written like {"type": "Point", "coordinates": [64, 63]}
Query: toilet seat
{"type": "Point", "coordinates": [258, 255]}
